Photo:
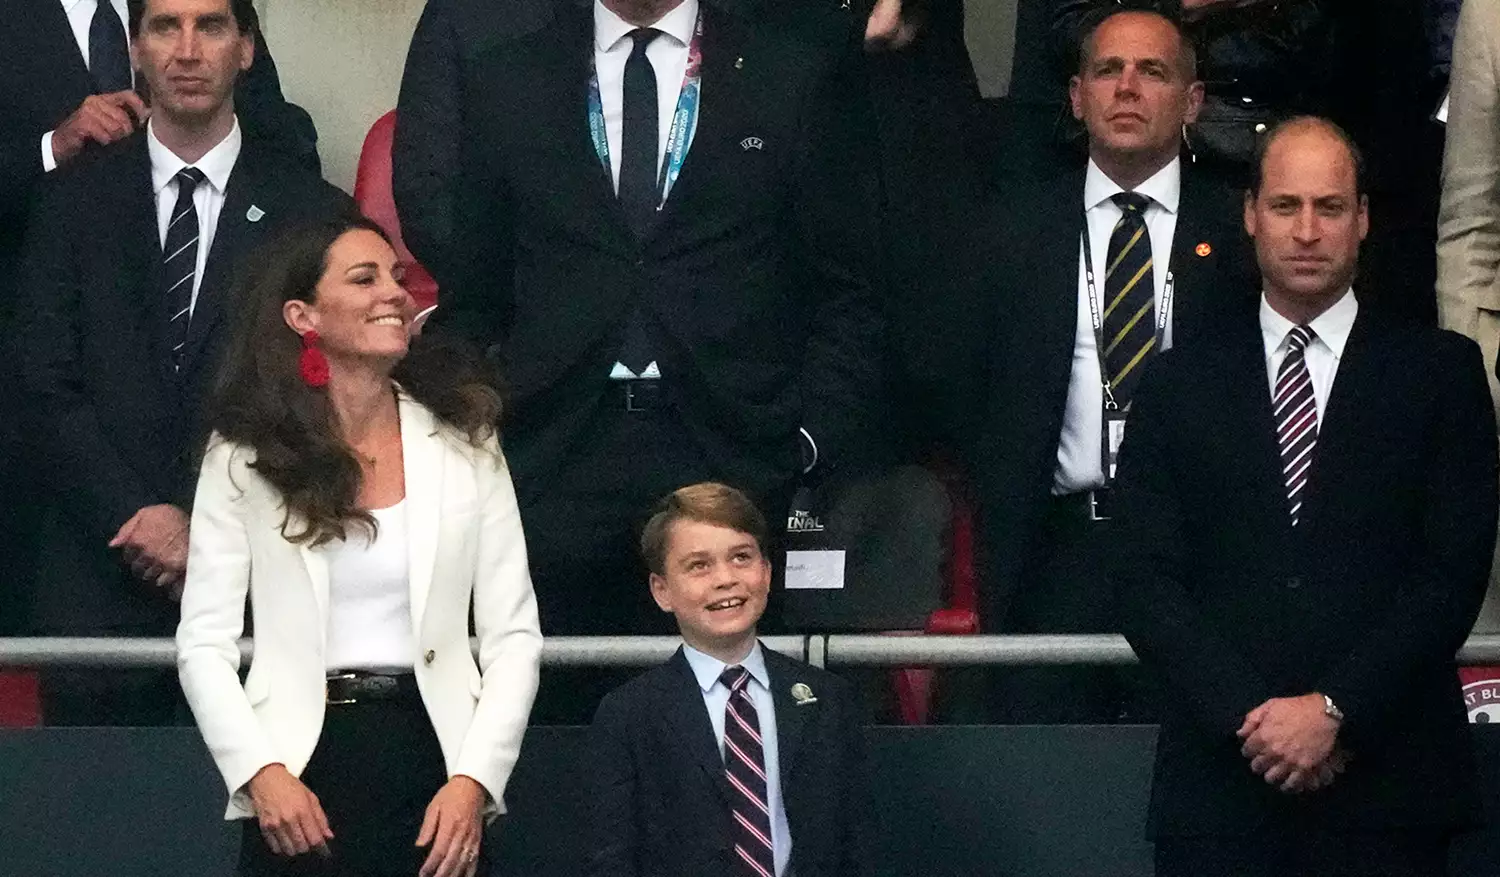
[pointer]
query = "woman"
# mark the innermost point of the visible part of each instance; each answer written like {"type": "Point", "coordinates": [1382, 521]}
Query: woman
{"type": "Point", "coordinates": [359, 498]}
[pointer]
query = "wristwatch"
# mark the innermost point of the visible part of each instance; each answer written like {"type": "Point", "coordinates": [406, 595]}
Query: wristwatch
{"type": "Point", "coordinates": [1331, 710]}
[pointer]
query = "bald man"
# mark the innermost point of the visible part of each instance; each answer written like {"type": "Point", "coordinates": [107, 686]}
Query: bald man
{"type": "Point", "coordinates": [1304, 533]}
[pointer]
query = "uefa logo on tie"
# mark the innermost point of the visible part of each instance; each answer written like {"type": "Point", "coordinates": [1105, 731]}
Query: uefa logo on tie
{"type": "Point", "coordinates": [1482, 700]}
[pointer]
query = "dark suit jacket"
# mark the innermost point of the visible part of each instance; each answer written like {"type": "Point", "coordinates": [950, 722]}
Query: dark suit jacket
{"type": "Point", "coordinates": [115, 429]}
{"type": "Point", "coordinates": [753, 276]}
{"type": "Point", "coordinates": [1366, 600]}
{"type": "Point", "coordinates": [660, 803]}
{"type": "Point", "coordinates": [1028, 288]}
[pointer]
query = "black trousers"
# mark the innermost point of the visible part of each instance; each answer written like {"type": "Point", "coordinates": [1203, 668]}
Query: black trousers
{"type": "Point", "coordinates": [583, 525]}
{"type": "Point", "coordinates": [1064, 590]}
{"type": "Point", "coordinates": [1300, 851]}
{"type": "Point", "coordinates": [376, 768]}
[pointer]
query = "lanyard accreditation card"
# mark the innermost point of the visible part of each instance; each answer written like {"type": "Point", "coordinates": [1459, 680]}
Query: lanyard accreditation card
{"type": "Point", "coordinates": [684, 120]}
{"type": "Point", "coordinates": [1114, 416]}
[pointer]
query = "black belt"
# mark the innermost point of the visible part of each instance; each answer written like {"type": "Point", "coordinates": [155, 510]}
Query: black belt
{"type": "Point", "coordinates": [1090, 505]}
{"type": "Point", "coordinates": [640, 394]}
{"type": "Point", "coordinates": [357, 686]}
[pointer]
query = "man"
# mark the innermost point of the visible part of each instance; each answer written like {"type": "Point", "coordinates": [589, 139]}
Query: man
{"type": "Point", "coordinates": [1306, 518]}
{"type": "Point", "coordinates": [123, 296]}
{"type": "Point", "coordinates": [67, 90]}
{"type": "Point", "coordinates": [1468, 287]}
{"type": "Point", "coordinates": [756, 757]}
{"type": "Point", "coordinates": [658, 329]}
{"type": "Point", "coordinates": [1090, 275]}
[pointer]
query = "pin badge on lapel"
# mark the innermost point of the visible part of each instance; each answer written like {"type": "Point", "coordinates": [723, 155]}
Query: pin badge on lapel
{"type": "Point", "coordinates": [1203, 249]}
{"type": "Point", "coordinates": [739, 63]}
{"type": "Point", "coordinates": [802, 694]}
{"type": "Point", "coordinates": [750, 143]}
{"type": "Point", "coordinates": [254, 214]}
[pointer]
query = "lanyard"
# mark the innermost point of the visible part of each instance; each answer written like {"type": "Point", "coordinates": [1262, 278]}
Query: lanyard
{"type": "Point", "coordinates": [1163, 311]}
{"type": "Point", "coordinates": [684, 120]}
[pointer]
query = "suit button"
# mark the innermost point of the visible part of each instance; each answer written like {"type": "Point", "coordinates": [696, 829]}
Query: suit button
{"type": "Point", "coordinates": [1292, 584]}
{"type": "Point", "coordinates": [428, 658]}
{"type": "Point", "coordinates": [640, 263]}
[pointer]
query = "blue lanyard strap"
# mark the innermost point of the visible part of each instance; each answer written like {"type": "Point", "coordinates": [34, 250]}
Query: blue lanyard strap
{"type": "Point", "coordinates": [684, 120]}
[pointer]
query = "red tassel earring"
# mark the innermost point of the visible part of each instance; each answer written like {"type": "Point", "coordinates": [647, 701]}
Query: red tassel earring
{"type": "Point", "coordinates": [313, 364]}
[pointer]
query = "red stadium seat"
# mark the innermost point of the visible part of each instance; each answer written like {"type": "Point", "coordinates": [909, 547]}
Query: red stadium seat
{"type": "Point", "coordinates": [960, 617]}
{"type": "Point", "coordinates": [372, 192]}
{"type": "Point", "coordinates": [20, 704]}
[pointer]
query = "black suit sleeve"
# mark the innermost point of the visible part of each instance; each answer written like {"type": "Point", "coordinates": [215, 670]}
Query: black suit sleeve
{"type": "Point", "coordinates": [612, 847]}
{"type": "Point", "coordinates": [856, 829]}
{"type": "Point", "coordinates": [836, 194]}
{"type": "Point", "coordinates": [266, 116]}
{"type": "Point", "coordinates": [1435, 608]}
{"type": "Point", "coordinates": [426, 155]}
{"type": "Point", "coordinates": [1159, 616]}
{"type": "Point", "coordinates": [97, 485]}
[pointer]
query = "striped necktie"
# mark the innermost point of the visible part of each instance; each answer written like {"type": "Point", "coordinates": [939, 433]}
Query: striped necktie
{"type": "Point", "coordinates": [744, 764]}
{"type": "Point", "coordinates": [1129, 324]}
{"type": "Point", "coordinates": [180, 260]}
{"type": "Point", "coordinates": [1296, 411]}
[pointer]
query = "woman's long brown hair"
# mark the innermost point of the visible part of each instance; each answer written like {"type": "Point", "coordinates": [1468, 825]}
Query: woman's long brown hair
{"type": "Point", "coordinates": [260, 401]}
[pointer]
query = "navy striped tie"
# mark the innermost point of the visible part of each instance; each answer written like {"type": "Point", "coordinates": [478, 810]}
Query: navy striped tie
{"type": "Point", "coordinates": [180, 260]}
{"type": "Point", "coordinates": [1296, 411]}
{"type": "Point", "coordinates": [745, 766]}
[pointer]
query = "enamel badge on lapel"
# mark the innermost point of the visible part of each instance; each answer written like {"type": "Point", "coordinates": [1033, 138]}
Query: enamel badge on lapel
{"type": "Point", "coordinates": [802, 694]}
{"type": "Point", "coordinates": [254, 214]}
{"type": "Point", "coordinates": [1203, 249]}
{"type": "Point", "coordinates": [739, 63]}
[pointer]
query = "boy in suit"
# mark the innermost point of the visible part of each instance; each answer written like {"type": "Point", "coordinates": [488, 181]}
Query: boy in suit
{"type": "Point", "coordinates": [729, 758]}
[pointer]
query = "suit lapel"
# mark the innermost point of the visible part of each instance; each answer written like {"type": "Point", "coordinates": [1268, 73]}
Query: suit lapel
{"type": "Point", "coordinates": [791, 717]}
{"type": "Point", "coordinates": [1192, 269]}
{"type": "Point", "coordinates": [55, 36]}
{"type": "Point", "coordinates": [685, 713]}
{"type": "Point", "coordinates": [1344, 416]}
{"type": "Point", "coordinates": [141, 257]}
{"type": "Point", "coordinates": [232, 237]}
{"type": "Point", "coordinates": [723, 42]}
{"type": "Point", "coordinates": [316, 564]}
{"type": "Point", "coordinates": [1252, 428]}
{"type": "Point", "coordinates": [423, 456]}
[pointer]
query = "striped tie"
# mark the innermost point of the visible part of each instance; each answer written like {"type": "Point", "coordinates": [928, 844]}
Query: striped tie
{"type": "Point", "coordinates": [744, 764]}
{"type": "Point", "coordinates": [1129, 324]}
{"type": "Point", "coordinates": [180, 260]}
{"type": "Point", "coordinates": [1296, 412]}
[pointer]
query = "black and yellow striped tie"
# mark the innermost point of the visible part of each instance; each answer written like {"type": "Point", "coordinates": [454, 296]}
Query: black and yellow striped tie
{"type": "Point", "coordinates": [1129, 298]}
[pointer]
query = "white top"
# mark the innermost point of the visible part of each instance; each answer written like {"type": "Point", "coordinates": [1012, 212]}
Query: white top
{"type": "Point", "coordinates": [668, 55]}
{"type": "Point", "coordinates": [80, 15]}
{"type": "Point", "coordinates": [1079, 448]}
{"type": "Point", "coordinates": [369, 599]}
{"type": "Point", "coordinates": [1332, 329]}
{"type": "Point", "coordinates": [707, 669]}
{"type": "Point", "coordinates": [208, 197]}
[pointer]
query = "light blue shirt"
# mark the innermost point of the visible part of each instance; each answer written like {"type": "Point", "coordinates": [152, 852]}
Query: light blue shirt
{"type": "Point", "coordinates": [707, 670]}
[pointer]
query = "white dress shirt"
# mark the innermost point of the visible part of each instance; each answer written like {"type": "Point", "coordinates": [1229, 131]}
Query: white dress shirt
{"type": "Point", "coordinates": [369, 599]}
{"type": "Point", "coordinates": [80, 15]}
{"type": "Point", "coordinates": [1079, 448]}
{"type": "Point", "coordinates": [1332, 329]}
{"type": "Point", "coordinates": [208, 197]}
{"type": "Point", "coordinates": [668, 55]}
{"type": "Point", "coordinates": [707, 669]}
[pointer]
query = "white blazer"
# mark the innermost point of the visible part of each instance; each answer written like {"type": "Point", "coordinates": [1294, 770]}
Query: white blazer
{"type": "Point", "coordinates": [465, 545]}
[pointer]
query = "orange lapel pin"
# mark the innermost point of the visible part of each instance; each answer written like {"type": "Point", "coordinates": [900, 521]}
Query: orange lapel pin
{"type": "Point", "coordinates": [1204, 249]}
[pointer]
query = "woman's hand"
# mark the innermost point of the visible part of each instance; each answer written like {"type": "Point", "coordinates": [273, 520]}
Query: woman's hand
{"type": "Point", "coordinates": [452, 826]}
{"type": "Point", "coordinates": [291, 819]}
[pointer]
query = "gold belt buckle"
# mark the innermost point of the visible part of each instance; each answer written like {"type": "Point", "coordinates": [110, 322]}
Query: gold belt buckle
{"type": "Point", "coordinates": [325, 690]}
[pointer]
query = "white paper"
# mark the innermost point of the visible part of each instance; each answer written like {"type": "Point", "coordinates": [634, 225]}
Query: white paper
{"type": "Point", "coordinates": [815, 570]}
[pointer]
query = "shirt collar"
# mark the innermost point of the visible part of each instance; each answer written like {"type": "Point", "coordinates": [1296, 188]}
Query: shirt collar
{"type": "Point", "coordinates": [707, 669]}
{"type": "Point", "coordinates": [610, 29]}
{"type": "Point", "coordinates": [216, 164]}
{"type": "Point", "coordinates": [1164, 187]}
{"type": "Point", "coordinates": [1332, 326]}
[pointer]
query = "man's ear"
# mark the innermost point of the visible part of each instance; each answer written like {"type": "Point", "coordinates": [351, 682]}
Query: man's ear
{"type": "Point", "coordinates": [1249, 215]}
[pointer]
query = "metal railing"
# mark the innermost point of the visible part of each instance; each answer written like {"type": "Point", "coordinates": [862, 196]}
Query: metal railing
{"type": "Point", "coordinates": [843, 650]}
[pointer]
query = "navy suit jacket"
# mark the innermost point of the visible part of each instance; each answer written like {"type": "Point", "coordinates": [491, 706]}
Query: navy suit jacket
{"type": "Point", "coordinates": [661, 802]}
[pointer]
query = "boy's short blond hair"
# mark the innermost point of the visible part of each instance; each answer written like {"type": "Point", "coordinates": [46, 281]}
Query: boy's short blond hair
{"type": "Point", "coordinates": [707, 502]}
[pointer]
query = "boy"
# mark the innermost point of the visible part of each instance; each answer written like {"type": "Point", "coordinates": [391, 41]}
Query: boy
{"type": "Point", "coordinates": [729, 759]}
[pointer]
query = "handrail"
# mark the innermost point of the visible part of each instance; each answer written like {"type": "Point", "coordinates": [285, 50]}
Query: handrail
{"type": "Point", "coordinates": [847, 650]}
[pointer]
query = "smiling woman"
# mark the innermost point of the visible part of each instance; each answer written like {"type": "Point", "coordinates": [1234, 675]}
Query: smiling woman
{"type": "Point", "coordinates": [344, 493]}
